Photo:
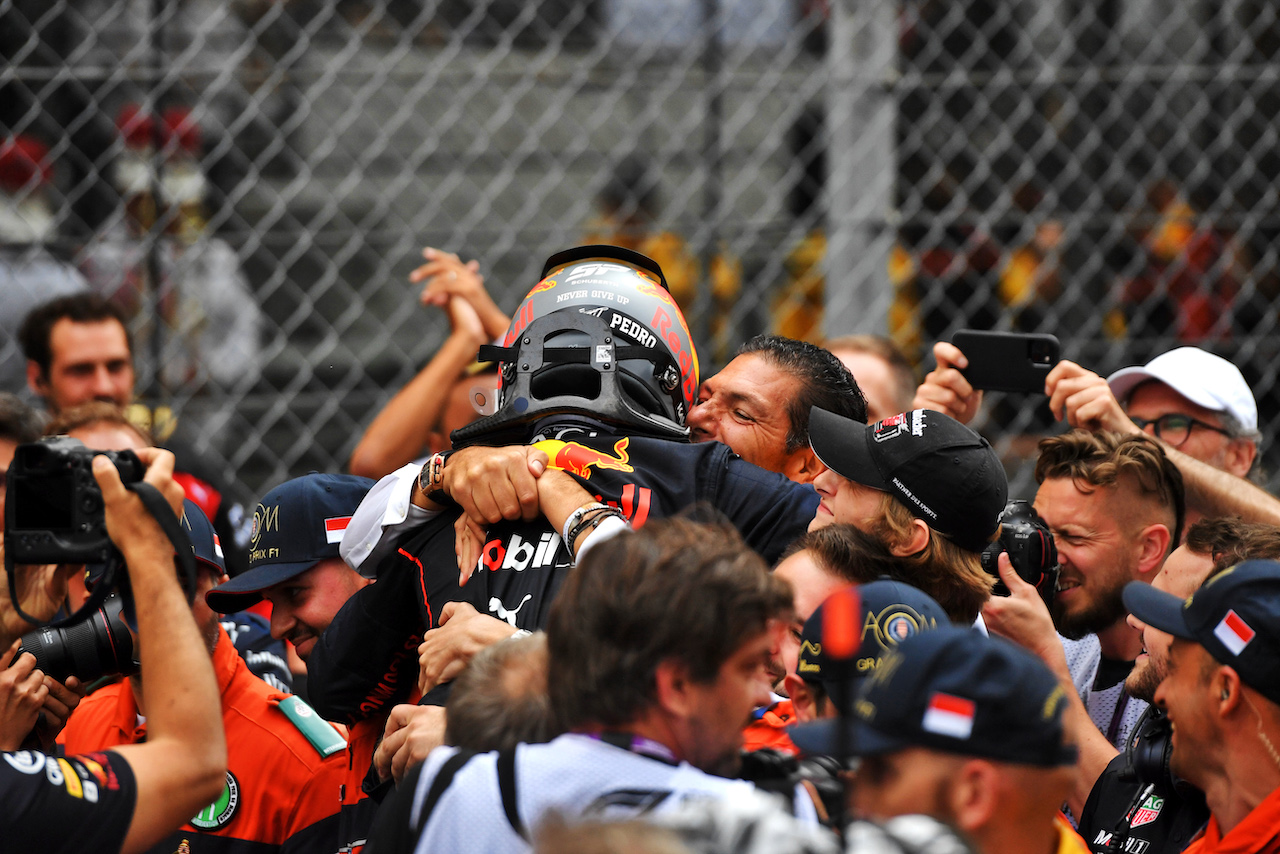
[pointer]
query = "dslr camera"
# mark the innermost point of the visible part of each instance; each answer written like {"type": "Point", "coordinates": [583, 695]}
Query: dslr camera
{"type": "Point", "coordinates": [54, 513]}
{"type": "Point", "coordinates": [1029, 542]}
{"type": "Point", "coordinates": [54, 510]}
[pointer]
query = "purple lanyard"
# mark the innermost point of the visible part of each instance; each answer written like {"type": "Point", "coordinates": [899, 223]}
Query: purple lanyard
{"type": "Point", "coordinates": [637, 744]}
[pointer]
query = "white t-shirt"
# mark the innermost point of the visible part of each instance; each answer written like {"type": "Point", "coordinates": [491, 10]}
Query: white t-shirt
{"type": "Point", "coordinates": [1083, 658]}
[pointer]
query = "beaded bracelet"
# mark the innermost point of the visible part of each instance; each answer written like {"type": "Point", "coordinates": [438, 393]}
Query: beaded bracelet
{"type": "Point", "coordinates": [575, 517]}
{"type": "Point", "coordinates": [590, 521]}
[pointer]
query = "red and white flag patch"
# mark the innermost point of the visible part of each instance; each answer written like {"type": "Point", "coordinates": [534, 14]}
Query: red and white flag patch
{"type": "Point", "coordinates": [217, 546]}
{"type": "Point", "coordinates": [949, 715]}
{"type": "Point", "coordinates": [334, 528]}
{"type": "Point", "coordinates": [1234, 633]}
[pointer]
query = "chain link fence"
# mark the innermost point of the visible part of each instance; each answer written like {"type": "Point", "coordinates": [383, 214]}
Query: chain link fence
{"type": "Point", "coordinates": [253, 180]}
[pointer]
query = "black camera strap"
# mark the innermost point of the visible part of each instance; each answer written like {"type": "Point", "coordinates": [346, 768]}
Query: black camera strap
{"type": "Point", "coordinates": [184, 552]}
{"type": "Point", "coordinates": [112, 577]}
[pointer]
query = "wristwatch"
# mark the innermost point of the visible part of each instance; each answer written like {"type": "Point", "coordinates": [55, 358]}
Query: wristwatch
{"type": "Point", "coordinates": [431, 478]}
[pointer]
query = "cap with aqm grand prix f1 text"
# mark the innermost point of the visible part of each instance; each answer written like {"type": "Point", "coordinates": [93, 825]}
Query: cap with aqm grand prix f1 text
{"type": "Point", "coordinates": [889, 612]}
{"type": "Point", "coordinates": [295, 526]}
{"type": "Point", "coordinates": [956, 691]}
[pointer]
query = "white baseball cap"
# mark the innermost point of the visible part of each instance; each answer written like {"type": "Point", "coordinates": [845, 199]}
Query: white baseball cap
{"type": "Point", "coordinates": [1201, 377]}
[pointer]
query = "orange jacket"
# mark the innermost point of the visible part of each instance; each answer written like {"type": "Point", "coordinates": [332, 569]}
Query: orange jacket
{"type": "Point", "coordinates": [358, 810]}
{"type": "Point", "coordinates": [769, 729]}
{"type": "Point", "coordinates": [1257, 833]}
{"type": "Point", "coordinates": [279, 792]}
{"type": "Point", "coordinates": [1069, 842]}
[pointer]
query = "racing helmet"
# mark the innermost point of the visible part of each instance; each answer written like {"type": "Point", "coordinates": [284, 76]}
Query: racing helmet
{"type": "Point", "coordinates": [598, 336]}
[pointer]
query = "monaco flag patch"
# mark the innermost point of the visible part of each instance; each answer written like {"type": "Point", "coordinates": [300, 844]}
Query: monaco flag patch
{"type": "Point", "coordinates": [334, 528]}
{"type": "Point", "coordinates": [949, 715]}
{"type": "Point", "coordinates": [1234, 633]}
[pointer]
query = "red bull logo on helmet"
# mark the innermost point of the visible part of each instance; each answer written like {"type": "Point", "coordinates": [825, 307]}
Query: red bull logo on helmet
{"type": "Point", "coordinates": [669, 325]}
{"type": "Point", "coordinates": [654, 288]}
{"type": "Point", "coordinates": [545, 285]}
{"type": "Point", "coordinates": [578, 459]}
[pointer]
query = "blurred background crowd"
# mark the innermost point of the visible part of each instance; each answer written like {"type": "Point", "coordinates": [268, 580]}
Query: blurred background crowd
{"type": "Point", "coordinates": [250, 183]}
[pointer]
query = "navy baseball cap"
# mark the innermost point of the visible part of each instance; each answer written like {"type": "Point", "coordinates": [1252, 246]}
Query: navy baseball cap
{"type": "Point", "coordinates": [204, 543]}
{"type": "Point", "coordinates": [1235, 616]}
{"type": "Point", "coordinates": [956, 691]}
{"type": "Point", "coordinates": [295, 526]}
{"type": "Point", "coordinates": [889, 612]}
{"type": "Point", "coordinates": [204, 540]}
{"type": "Point", "coordinates": [945, 473]}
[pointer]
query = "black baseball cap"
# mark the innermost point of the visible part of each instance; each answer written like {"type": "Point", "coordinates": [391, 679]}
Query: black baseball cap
{"type": "Point", "coordinates": [295, 526]}
{"type": "Point", "coordinates": [889, 612]}
{"type": "Point", "coordinates": [956, 691]}
{"type": "Point", "coordinates": [945, 473]}
{"type": "Point", "coordinates": [1235, 616]}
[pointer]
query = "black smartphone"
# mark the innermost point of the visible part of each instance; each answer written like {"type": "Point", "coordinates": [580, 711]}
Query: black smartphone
{"type": "Point", "coordinates": [1008, 361]}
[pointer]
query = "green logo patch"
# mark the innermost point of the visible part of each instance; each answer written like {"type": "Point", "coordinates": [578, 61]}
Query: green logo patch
{"type": "Point", "coordinates": [221, 811]}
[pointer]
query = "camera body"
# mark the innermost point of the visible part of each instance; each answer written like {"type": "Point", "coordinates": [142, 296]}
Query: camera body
{"type": "Point", "coordinates": [1032, 551]}
{"type": "Point", "coordinates": [54, 509]}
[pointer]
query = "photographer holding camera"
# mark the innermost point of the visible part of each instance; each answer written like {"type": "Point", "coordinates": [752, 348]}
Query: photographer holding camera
{"type": "Point", "coordinates": [129, 797]}
{"type": "Point", "coordinates": [30, 702]}
{"type": "Point", "coordinates": [1115, 507]}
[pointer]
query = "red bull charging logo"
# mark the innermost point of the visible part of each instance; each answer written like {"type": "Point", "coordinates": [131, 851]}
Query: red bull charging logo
{"type": "Point", "coordinates": [543, 286]}
{"type": "Point", "coordinates": [579, 459]}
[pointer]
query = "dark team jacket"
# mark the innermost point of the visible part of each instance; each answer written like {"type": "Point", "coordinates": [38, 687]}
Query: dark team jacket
{"type": "Point", "coordinates": [74, 804]}
{"type": "Point", "coordinates": [367, 659]}
{"type": "Point", "coordinates": [1162, 821]}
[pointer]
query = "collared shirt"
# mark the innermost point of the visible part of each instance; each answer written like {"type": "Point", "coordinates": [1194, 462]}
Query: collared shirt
{"type": "Point", "coordinates": [367, 658]}
{"type": "Point", "coordinates": [1158, 819]}
{"type": "Point", "coordinates": [1112, 711]}
{"type": "Point", "coordinates": [1257, 833]}
{"type": "Point", "coordinates": [280, 794]}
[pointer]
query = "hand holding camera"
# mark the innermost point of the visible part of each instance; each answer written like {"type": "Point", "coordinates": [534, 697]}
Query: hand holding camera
{"type": "Point", "coordinates": [1031, 549]}
{"type": "Point", "coordinates": [41, 591]}
{"type": "Point", "coordinates": [33, 706]}
{"type": "Point", "coordinates": [68, 504]}
{"type": "Point", "coordinates": [130, 525]}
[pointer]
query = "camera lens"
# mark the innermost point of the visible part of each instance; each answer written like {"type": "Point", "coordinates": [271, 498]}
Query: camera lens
{"type": "Point", "coordinates": [100, 645]}
{"type": "Point", "coordinates": [1041, 352]}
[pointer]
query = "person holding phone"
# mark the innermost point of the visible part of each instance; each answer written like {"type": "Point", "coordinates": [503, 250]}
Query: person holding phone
{"type": "Point", "coordinates": [1196, 404]}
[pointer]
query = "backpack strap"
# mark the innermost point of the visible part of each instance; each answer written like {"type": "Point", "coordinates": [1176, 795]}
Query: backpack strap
{"type": "Point", "coordinates": [507, 787]}
{"type": "Point", "coordinates": [443, 778]}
